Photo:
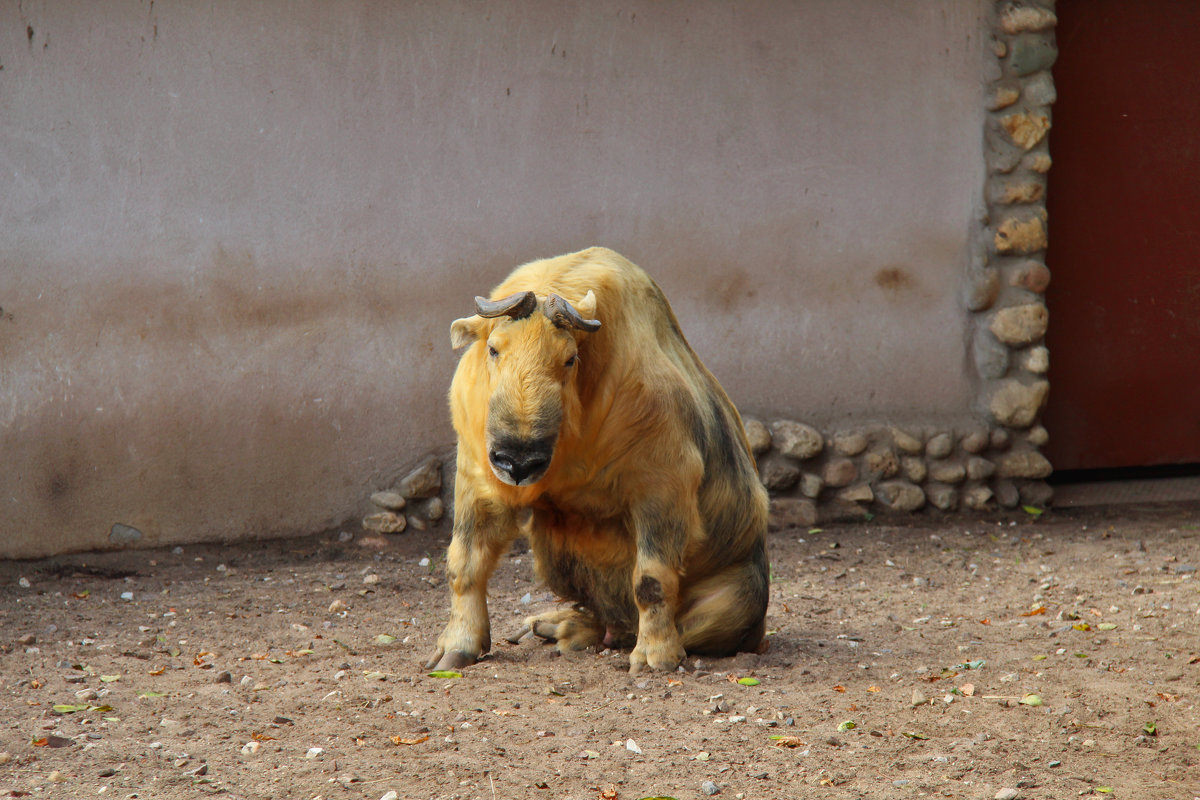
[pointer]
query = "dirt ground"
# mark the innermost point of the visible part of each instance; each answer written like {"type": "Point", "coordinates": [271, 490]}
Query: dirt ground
{"type": "Point", "coordinates": [1015, 656]}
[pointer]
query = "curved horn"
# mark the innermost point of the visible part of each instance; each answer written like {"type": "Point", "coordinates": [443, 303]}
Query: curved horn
{"type": "Point", "coordinates": [564, 315]}
{"type": "Point", "coordinates": [517, 306]}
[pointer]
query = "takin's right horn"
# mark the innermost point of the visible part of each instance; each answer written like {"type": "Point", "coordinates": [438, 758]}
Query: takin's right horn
{"type": "Point", "coordinates": [517, 306]}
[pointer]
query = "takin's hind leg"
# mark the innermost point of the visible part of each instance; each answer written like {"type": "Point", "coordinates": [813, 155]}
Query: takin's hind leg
{"type": "Point", "coordinates": [725, 613]}
{"type": "Point", "coordinates": [570, 628]}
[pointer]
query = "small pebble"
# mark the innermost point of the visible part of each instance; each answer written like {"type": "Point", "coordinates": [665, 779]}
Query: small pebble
{"type": "Point", "coordinates": [632, 746]}
{"type": "Point", "coordinates": [1007, 793]}
{"type": "Point", "coordinates": [27, 639]}
{"type": "Point", "coordinates": [710, 788]}
{"type": "Point", "coordinates": [23, 583]}
{"type": "Point", "coordinates": [371, 580]}
{"type": "Point", "coordinates": [126, 595]}
{"type": "Point", "coordinates": [313, 752]}
{"type": "Point", "coordinates": [390, 796]}
{"type": "Point", "coordinates": [224, 677]}
{"type": "Point", "coordinates": [337, 606]}
{"type": "Point", "coordinates": [251, 748]}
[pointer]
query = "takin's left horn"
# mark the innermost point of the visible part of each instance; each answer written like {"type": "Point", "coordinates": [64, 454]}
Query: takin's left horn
{"type": "Point", "coordinates": [564, 315]}
{"type": "Point", "coordinates": [517, 306]}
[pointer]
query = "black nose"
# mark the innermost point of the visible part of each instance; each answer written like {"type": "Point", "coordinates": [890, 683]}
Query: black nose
{"type": "Point", "coordinates": [520, 462]}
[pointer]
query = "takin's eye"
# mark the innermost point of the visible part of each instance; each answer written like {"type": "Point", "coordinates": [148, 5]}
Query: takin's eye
{"type": "Point", "coordinates": [570, 361]}
{"type": "Point", "coordinates": [493, 352]}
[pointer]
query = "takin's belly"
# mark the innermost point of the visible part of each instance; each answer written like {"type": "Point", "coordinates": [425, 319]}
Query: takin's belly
{"type": "Point", "coordinates": [589, 563]}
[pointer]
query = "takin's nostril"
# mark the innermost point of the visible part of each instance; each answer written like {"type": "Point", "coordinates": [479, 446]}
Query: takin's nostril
{"type": "Point", "coordinates": [519, 466]}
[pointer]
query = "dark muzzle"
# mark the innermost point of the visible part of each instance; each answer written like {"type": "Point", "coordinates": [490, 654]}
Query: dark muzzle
{"type": "Point", "coordinates": [520, 462]}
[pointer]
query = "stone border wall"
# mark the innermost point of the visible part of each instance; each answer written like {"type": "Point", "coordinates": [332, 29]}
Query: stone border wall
{"type": "Point", "coordinates": [853, 474]}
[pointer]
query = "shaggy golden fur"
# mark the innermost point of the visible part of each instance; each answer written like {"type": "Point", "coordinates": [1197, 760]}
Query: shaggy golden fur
{"type": "Point", "coordinates": [649, 517]}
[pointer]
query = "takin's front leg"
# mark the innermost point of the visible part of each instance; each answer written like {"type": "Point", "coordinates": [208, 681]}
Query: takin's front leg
{"type": "Point", "coordinates": [478, 540]}
{"type": "Point", "coordinates": [662, 533]}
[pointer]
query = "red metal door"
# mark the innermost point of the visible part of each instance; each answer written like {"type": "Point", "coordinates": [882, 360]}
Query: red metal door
{"type": "Point", "coordinates": [1124, 225]}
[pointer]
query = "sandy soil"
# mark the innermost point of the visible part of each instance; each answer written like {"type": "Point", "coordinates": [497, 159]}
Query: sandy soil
{"type": "Point", "coordinates": [1020, 656]}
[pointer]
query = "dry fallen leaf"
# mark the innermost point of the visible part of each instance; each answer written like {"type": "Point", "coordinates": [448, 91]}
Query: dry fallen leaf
{"type": "Point", "coordinates": [405, 740]}
{"type": "Point", "coordinates": [1033, 612]}
{"type": "Point", "coordinates": [839, 688]}
{"type": "Point", "coordinates": [788, 741]}
{"type": "Point", "coordinates": [609, 792]}
{"type": "Point", "coordinates": [874, 689]}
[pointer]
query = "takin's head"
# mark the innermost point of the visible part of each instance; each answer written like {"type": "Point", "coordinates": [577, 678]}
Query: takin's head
{"type": "Point", "coordinates": [531, 355]}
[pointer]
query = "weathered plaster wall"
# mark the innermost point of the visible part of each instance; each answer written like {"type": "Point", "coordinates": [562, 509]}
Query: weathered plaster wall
{"type": "Point", "coordinates": [232, 236]}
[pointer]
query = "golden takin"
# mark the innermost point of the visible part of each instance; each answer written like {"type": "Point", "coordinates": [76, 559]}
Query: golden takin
{"type": "Point", "coordinates": [587, 424]}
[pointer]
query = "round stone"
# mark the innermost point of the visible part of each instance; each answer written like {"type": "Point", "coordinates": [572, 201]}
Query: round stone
{"type": "Point", "coordinates": [1020, 236]}
{"type": "Point", "coordinates": [1020, 325]}
{"type": "Point", "coordinates": [914, 468]}
{"type": "Point", "coordinates": [900, 495]}
{"type": "Point", "coordinates": [390, 501]}
{"type": "Point", "coordinates": [907, 442]}
{"type": "Point", "coordinates": [1031, 275]}
{"type": "Point", "coordinates": [881, 463]}
{"type": "Point", "coordinates": [1023, 464]}
{"type": "Point", "coordinates": [975, 442]}
{"type": "Point", "coordinates": [1018, 19]}
{"type": "Point", "coordinates": [435, 509]}
{"type": "Point", "coordinates": [942, 497]}
{"type": "Point", "coordinates": [792, 512]}
{"type": "Point", "coordinates": [1039, 90]}
{"type": "Point", "coordinates": [385, 522]}
{"type": "Point", "coordinates": [859, 493]}
{"type": "Point", "coordinates": [1032, 52]}
{"type": "Point", "coordinates": [1037, 493]}
{"type": "Point", "coordinates": [1036, 360]}
{"type": "Point", "coordinates": [811, 484]}
{"type": "Point", "coordinates": [796, 440]}
{"type": "Point", "coordinates": [983, 288]}
{"type": "Point", "coordinates": [758, 436]}
{"type": "Point", "coordinates": [1003, 97]}
{"type": "Point", "coordinates": [977, 498]}
{"type": "Point", "coordinates": [947, 472]}
{"type": "Point", "coordinates": [991, 357]}
{"type": "Point", "coordinates": [1000, 439]}
{"type": "Point", "coordinates": [1038, 436]}
{"type": "Point", "coordinates": [1026, 129]}
{"type": "Point", "coordinates": [1017, 404]}
{"type": "Point", "coordinates": [939, 446]}
{"type": "Point", "coordinates": [424, 481]}
{"type": "Point", "coordinates": [839, 472]}
{"type": "Point", "coordinates": [979, 469]}
{"type": "Point", "coordinates": [849, 444]}
{"type": "Point", "coordinates": [1006, 494]}
{"type": "Point", "coordinates": [779, 474]}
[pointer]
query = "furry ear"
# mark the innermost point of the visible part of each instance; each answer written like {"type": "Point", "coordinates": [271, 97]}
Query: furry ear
{"type": "Point", "coordinates": [464, 331]}
{"type": "Point", "coordinates": [587, 306]}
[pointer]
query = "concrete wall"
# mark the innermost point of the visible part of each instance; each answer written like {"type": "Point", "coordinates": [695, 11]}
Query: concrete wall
{"type": "Point", "coordinates": [233, 235]}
